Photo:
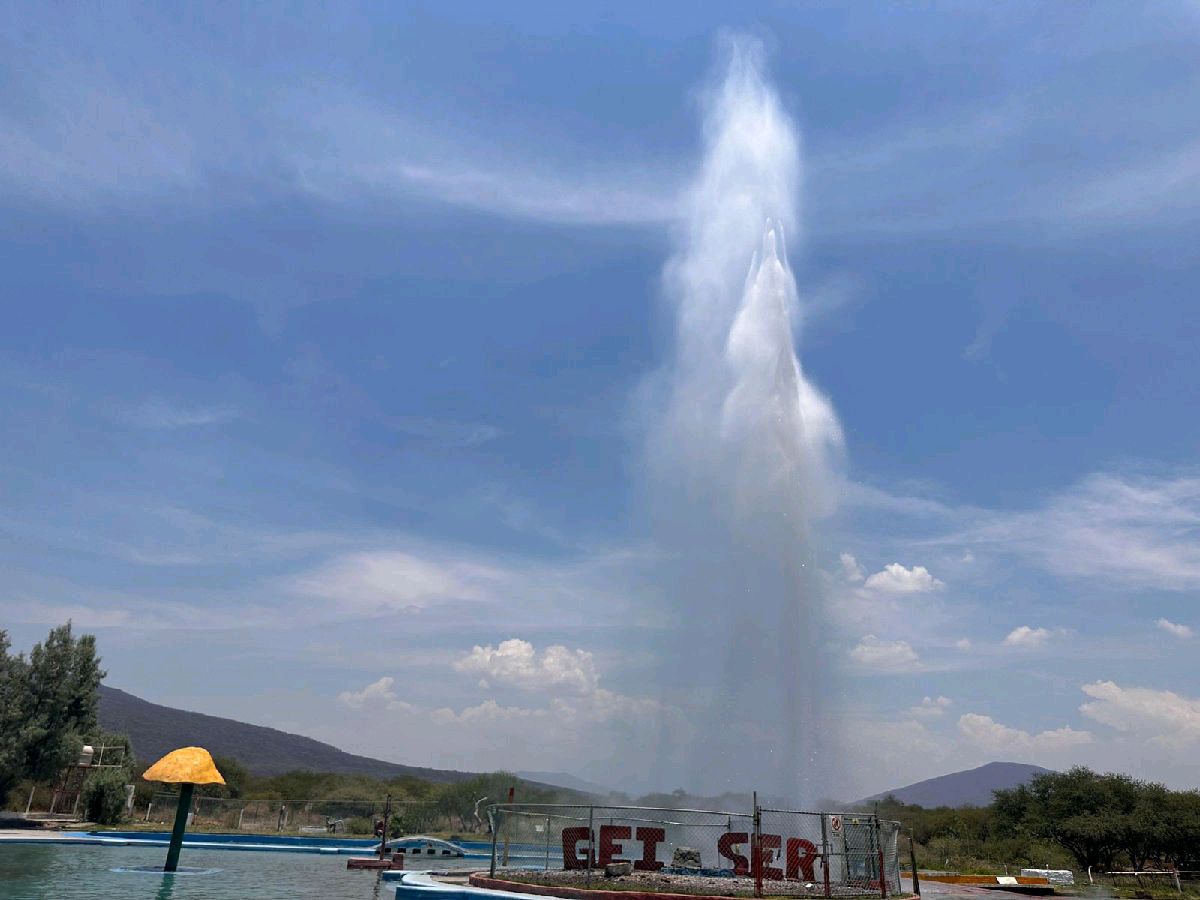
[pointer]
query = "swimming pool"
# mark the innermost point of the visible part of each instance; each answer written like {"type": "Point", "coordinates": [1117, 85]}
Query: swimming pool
{"type": "Point", "coordinates": [46, 871]}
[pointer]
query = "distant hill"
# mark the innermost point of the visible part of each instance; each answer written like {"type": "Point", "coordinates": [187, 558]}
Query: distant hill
{"type": "Point", "coordinates": [156, 730]}
{"type": "Point", "coordinates": [970, 788]}
{"type": "Point", "coordinates": [565, 780]}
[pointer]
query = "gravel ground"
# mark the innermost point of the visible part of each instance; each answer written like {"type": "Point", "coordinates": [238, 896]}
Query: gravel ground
{"type": "Point", "coordinates": [672, 884]}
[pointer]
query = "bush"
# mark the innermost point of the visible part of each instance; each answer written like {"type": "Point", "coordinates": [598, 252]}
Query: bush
{"type": "Point", "coordinates": [104, 797]}
{"type": "Point", "coordinates": [360, 825]}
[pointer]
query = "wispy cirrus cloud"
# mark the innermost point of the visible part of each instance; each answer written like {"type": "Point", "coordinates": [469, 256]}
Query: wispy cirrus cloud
{"type": "Point", "coordinates": [1132, 531]}
{"type": "Point", "coordinates": [158, 413]}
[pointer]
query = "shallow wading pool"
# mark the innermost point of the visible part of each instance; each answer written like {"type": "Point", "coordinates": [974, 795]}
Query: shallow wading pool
{"type": "Point", "coordinates": [46, 871]}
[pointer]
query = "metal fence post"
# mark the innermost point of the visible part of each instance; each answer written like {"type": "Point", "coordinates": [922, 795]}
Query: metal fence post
{"type": "Point", "coordinates": [756, 863]}
{"type": "Point", "coordinates": [492, 817]}
{"type": "Point", "coordinates": [883, 892]}
{"type": "Point", "coordinates": [825, 852]}
{"type": "Point", "coordinates": [591, 861]}
{"type": "Point", "coordinates": [912, 854]}
{"type": "Point", "coordinates": [546, 867]}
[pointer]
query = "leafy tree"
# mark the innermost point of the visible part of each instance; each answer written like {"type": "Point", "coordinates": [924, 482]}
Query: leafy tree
{"type": "Point", "coordinates": [236, 776]}
{"type": "Point", "coordinates": [1179, 830]}
{"type": "Point", "coordinates": [12, 751]}
{"type": "Point", "coordinates": [104, 796]}
{"type": "Point", "coordinates": [47, 705]}
{"type": "Point", "coordinates": [1085, 813]}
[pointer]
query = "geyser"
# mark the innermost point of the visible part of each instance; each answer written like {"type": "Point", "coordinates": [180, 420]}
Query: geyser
{"type": "Point", "coordinates": [742, 457]}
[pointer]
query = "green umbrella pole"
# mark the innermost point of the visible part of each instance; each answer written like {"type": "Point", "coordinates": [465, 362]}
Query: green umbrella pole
{"type": "Point", "coordinates": [181, 814]}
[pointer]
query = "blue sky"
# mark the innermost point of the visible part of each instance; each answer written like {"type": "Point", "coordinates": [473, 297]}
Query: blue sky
{"type": "Point", "coordinates": [325, 331]}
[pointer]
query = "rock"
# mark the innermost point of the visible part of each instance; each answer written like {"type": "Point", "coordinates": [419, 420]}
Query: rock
{"type": "Point", "coordinates": [613, 869]}
{"type": "Point", "coordinates": [685, 858]}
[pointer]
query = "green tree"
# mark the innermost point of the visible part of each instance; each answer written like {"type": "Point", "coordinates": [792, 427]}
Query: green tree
{"type": "Point", "coordinates": [47, 705]}
{"type": "Point", "coordinates": [12, 750]}
{"type": "Point", "coordinates": [237, 778]}
{"type": "Point", "coordinates": [1085, 813]}
{"type": "Point", "coordinates": [1179, 830]}
{"type": "Point", "coordinates": [104, 796]}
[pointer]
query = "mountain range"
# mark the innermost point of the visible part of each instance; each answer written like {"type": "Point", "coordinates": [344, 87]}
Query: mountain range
{"type": "Point", "coordinates": [156, 730]}
{"type": "Point", "coordinates": [972, 787]}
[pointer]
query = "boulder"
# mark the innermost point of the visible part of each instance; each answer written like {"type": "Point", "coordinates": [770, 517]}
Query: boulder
{"type": "Point", "coordinates": [614, 869]}
{"type": "Point", "coordinates": [685, 858]}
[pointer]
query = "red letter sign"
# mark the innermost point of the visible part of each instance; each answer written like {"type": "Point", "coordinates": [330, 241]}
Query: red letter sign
{"type": "Point", "coordinates": [650, 838]}
{"type": "Point", "coordinates": [801, 855]}
{"type": "Point", "coordinates": [570, 846]}
{"type": "Point", "coordinates": [769, 842]}
{"type": "Point", "coordinates": [741, 865]}
{"type": "Point", "coordinates": [608, 834]}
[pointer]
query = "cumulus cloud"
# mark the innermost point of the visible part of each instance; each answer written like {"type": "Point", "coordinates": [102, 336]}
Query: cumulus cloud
{"type": "Point", "coordinates": [1024, 636]}
{"type": "Point", "coordinates": [515, 662]}
{"type": "Point", "coordinates": [963, 644]}
{"type": "Point", "coordinates": [895, 579]}
{"type": "Point", "coordinates": [1162, 717]}
{"type": "Point", "coordinates": [487, 712]}
{"type": "Point", "coordinates": [851, 570]}
{"type": "Point", "coordinates": [379, 694]}
{"type": "Point", "coordinates": [1175, 629]}
{"type": "Point", "coordinates": [883, 656]}
{"type": "Point", "coordinates": [566, 718]}
{"type": "Point", "coordinates": [931, 707]}
{"type": "Point", "coordinates": [994, 737]}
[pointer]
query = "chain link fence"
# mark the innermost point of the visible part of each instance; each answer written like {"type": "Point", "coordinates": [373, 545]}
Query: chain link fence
{"type": "Point", "coordinates": [765, 851]}
{"type": "Point", "coordinates": [350, 817]}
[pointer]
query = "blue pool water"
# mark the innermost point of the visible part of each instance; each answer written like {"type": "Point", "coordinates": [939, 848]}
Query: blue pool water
{"type": "Point", "coordinates": [279, 843]}
{"type": "Point", "coordinates": [87, 872]}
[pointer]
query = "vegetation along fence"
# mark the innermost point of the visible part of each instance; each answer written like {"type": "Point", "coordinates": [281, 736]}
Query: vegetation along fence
{"type": "Point", "coordinates": [818, 854]}
{"type": "Point", "coordinates": [354, 817]}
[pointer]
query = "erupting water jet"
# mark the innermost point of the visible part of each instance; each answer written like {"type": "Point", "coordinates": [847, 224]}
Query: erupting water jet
{"type": "Point", "coordinates": [742, 459]}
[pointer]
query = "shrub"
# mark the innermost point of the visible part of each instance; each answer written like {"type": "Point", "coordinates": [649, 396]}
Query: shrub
{"type": "Point", "coordinates": [104, 797]}
{"type": "Point", "coordinates": [360, 825]}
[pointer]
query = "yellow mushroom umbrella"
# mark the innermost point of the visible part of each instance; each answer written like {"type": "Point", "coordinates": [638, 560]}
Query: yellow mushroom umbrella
{"type": "Point", "coordinates": [187, 767]}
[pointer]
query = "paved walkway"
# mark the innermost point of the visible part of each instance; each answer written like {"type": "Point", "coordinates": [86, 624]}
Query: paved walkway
{"type": "Point", "coordinates": [40, 835]}
{"type": "Point", "coordinates": [942, 891]}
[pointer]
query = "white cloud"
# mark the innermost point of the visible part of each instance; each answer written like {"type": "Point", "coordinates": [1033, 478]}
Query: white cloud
{"type": "Point", "coordinates": [994, 737]}
{"type": "Point", "coordinates": [487, 712]}
{"type": "Point", "coordinates": [963, 644]}
{"type": "Point", "coordinates": [883, 656]}
{"type": "Point", "coordinates": [395, 580]}
{"type": "Point", "coordinates": [1173, 628]}
{"type": "Point", "coordinates": [379, 694]}
{"type": "Point", "coordinates": [1122, 531]}
{"type": "Point", "coordinates": [1162, 717]}
{"type": "Point", "coordinates": [851, 570]}
{"type": "Point", "coordinates": [354, 151]}
{"type": "Point", "coordinates": [931, 707]}
{"type": "Point", "coordinates": [1024, 636]}
{"type": "Point", "coordinates": [895, 579]}
{"type": "Point", "coordinates": [162, 414]}
{"type": "Point", "coordinates": [445, 432]}
{"type": "Point", "coordinates": [515, 662]}
{"type": "Point", "coordinates": [1144, 190]}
